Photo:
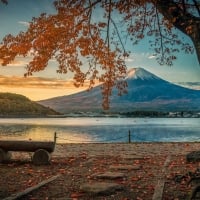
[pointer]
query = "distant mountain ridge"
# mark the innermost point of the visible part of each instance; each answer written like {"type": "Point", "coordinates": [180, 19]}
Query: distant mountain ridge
{"type": "Point", "coordinates": [15, 105]}
{"type": "Point", "coordinates": [146, 91]}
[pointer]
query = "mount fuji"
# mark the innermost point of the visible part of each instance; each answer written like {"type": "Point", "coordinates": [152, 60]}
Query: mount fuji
{"type": "Point", "coordinates": [146, 92]}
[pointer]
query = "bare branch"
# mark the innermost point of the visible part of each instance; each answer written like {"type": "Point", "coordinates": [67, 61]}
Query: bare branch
{"type": "Point", "coordinates": [118, 34]}
{"type": "Point", "coordinates": [161, 38]}
{"type": "Point", "coordinates": [197, 6]}
{"type": "Point", "coordinates": [108, 25]}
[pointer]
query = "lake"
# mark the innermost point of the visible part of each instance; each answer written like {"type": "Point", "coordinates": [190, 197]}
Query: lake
{"type": "Point", "coordinates": [94, 129]}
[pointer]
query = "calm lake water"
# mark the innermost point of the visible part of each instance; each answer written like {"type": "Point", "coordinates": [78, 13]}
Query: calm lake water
{"type": "Point", "coordinates": [86, 129]}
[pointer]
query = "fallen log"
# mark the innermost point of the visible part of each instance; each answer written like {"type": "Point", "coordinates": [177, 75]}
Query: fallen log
{"type": "Point", "coordinates": [42, 149]}
{"type": "Point", "coordinates": [41, 157]}
{"type": "Point", "coordinates": [31, 189]}
{"type": "Point", "coordinates": [28, 146]}
{"type": "Point", "coordinates": [4, 155]}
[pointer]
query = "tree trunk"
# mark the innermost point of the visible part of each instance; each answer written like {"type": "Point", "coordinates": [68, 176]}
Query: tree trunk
{"type": "Point", "coordinates": [195, 36]}
{"type": "Point", "coordinates": [182, 20]}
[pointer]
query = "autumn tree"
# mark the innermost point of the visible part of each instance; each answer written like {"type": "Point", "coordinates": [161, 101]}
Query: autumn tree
{"type": "Point", "coordinates": [74, 35]}
{"type": "Point", "coordinates": [4, 1]}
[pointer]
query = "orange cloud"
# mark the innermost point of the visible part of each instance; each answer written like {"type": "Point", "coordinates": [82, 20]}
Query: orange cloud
{"type": "Point", "coordinates": [37, 88]}
{"type": "Point", "coordinates": [13, 81]}
{"type": "Point", "coordinates": [16, 63]}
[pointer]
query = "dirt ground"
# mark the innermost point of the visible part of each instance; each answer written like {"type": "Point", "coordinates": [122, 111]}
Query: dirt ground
{"type": "Point", "coordinates": [77, 163]}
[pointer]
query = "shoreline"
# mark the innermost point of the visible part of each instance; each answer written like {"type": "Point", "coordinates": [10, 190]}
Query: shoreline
{"type": "Point", "coordinates": [134, 148]}
{"type": "Point", "coordinates": [143, 171]}
{"type": "Point", "coordinates": [121, 150]}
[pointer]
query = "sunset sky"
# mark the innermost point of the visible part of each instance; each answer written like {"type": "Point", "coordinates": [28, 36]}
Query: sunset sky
{"type": "Point", "coordinates": [15, 16]}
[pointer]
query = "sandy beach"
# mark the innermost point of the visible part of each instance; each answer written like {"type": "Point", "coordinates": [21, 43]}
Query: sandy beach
{"type": "Point", "coordinates": [121, 149]}
{"type": "Point", "coordinates": [108, 171]}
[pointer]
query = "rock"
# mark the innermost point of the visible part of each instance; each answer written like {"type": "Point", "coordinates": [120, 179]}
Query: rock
{"type": "Point", "coordinates": [3, 193]}
{"type": "Point", "coordinates": [125, 167]}
{"type": "Point", "coordinates": [194, 156]}
{"type": "Point", "coordinates": [110, 175]}
{"type": "Point", "coordinates": [101, 188]}
{"type": "Point", "coordinates": [195, 193]}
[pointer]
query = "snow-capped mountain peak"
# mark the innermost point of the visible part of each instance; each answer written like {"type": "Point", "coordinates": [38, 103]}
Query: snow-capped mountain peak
{"type": "Point", "coordinates": [140, 73]}
{"type": "Point", "coordinates": [145, 91]}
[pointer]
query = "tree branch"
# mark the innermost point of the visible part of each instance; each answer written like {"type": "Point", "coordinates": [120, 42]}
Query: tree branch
{"type": "Point", "coordinates": [108, 26]}
{"type": "Point", "coordinates": [118, 34]}
{"type": "Point", "coordinates": [4, 1]}
{"type": "Point", "coordinates": [161, 38]}
{"type": "Point", "coordinates": [175, 15]}
{"type": "Point", "coordinates": [197, 6]}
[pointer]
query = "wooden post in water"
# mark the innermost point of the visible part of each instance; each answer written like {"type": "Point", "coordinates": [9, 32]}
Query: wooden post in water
{"type": "Point", "coordinates": [55, 137]}
{"type": "Point", "coordinates": [129, 136]}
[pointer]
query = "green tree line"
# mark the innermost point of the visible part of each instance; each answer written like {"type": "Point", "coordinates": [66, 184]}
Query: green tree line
{"type": "Point", "coordinates": [19, 105]}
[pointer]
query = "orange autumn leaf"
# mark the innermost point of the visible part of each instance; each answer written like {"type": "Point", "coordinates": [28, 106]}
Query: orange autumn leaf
{"type": "Point", "coordinates": [76, 195]}
{"type": "Point", "coordinates": [135, 178]}
{"type": "Point", "coordinates": [84, 44]}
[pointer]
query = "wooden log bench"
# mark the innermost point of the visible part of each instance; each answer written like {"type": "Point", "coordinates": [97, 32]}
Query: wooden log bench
{"type": "Point", "coordinates": [42, 149]}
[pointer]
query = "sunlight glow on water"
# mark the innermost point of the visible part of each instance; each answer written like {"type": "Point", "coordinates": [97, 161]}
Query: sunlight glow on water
{"type": "Point", "coordinates": [83, 130]}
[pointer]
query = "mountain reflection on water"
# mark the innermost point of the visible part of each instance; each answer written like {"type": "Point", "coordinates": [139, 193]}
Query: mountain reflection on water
{"type": "Point", "coordinates": [85, 129]}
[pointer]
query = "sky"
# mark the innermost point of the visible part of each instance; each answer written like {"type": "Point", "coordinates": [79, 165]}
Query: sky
{"type": "Point", "coordinates": [14, 18]}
